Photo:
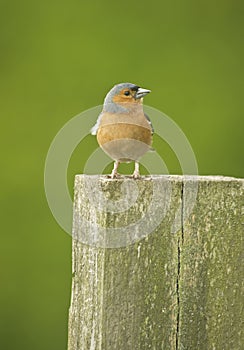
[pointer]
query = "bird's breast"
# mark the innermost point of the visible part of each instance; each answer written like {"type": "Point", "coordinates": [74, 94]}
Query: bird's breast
{"type": "Point", "coordinates": [118, 131]}
{"type": "Point", "coordinates": [125, 141]}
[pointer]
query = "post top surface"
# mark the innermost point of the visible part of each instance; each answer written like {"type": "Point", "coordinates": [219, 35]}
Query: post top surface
{"type": "Point", "coordinates": [177, 178]}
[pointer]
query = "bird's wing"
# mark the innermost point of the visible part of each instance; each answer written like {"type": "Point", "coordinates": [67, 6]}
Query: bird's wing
{"type": "Point", "coordinates": [96, 126]}
{"type": "Point", "coordinates": [149, 122]}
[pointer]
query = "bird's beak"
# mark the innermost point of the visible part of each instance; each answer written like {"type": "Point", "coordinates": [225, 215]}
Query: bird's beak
{"type": "Point", "coordinates": [141, 93]}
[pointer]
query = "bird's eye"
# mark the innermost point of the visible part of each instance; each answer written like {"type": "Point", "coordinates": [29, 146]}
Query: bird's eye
{"type": "Point", "coordinates": [127, 93]}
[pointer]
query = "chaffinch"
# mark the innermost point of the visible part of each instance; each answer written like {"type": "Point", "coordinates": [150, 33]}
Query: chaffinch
{"type": "Point", "coordinates": [123, 130]}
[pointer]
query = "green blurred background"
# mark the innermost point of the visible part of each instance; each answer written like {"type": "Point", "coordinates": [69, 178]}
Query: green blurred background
{"type": "Point", "coordinates": [59, 58]}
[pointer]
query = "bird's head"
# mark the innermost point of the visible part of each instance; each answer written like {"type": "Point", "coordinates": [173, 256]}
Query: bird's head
{"type": "Point", "coordinates": [123, 96]}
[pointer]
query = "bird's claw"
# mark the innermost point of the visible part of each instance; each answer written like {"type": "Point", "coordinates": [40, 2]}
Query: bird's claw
{"type": "Point", "coordinates": [114, 175]}
{"type": "Point", "coordinates": [136, 175]}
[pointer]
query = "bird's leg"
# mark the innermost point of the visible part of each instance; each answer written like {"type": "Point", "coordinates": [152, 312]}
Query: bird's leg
{"type": "Point", "coordinates": [115, 170]}
{"type": "Point", "coordinates": [136, 173]}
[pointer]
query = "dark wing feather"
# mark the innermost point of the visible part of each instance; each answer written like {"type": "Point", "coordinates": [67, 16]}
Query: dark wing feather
{"type": "Point", "coordinates": [150, 123]}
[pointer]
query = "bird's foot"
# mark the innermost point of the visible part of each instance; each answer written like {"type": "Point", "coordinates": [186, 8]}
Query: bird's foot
{"type": "Point", "coordinates": [136, 174]}
{"type": "Point", "coordinates": [114, 175]}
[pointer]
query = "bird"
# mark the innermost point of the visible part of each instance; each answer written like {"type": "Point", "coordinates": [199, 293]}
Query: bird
{"type": "Point", "coordinates": [123, 130]}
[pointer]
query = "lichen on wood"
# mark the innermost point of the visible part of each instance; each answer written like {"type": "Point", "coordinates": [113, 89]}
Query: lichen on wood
{"type": "Point", "coordinates": [173, 282]}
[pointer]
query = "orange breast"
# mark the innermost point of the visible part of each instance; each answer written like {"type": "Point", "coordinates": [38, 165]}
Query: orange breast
{"type": "Point", "coordinates": [111, 132]}
{"type": "Point", "coordinates": [124, 142]}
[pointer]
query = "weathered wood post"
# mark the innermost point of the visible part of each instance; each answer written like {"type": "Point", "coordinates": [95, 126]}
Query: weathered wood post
{"type": "Point", "coordinates": [157, 263]}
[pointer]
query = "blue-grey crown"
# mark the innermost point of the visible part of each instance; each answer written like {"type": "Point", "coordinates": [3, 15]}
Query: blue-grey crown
{"type": "Point", "coordinates": [108, 101]}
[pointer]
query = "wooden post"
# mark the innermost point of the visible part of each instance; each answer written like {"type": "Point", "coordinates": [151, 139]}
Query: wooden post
{"type": "Point", "coordinates": [172, 279]}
